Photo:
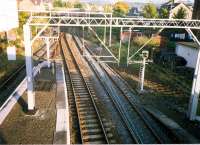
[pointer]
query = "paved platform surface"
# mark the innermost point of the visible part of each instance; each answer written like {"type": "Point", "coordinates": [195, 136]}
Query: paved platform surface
{"type": "Point", "coordinates": [61, 135]}
{"type": "Point", "coordinates": [21, 128]}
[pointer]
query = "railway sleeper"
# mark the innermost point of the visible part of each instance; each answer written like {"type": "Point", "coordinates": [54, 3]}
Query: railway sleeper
{"type": "Point", "coordinates": [78, 91]}
{"type": "Point", "coordinates": [95, 137]}
{"type": "Point", "coordinates": [84, 105]}
{"type": "Point", "coordinates": [91, 131]}
{"type": "Point", "coordinates": [89, 116]}
{"type": "Point", "coordinates": [77, 78]}
{"type": "Point", "coordinates": [79, 85]}
{"type": "Point", "coordinates": [86, 112]}
{"type": "Point", "coordinates": [83, 100]}
{"type": "Point", "coordinates": [88, 121]}
{"type": "Point", "coordinates": [84, 96]}
{"type": "Point", "coordinates": [84, 93]}
{"type": "Point", "coordinates": [91, 125]}
{"type": "Point", "coordinates": [81, 89]}
{"type": "Point", "coordinates": [94, 142]}
{"type": "Point", "coordinates": [87, 109]}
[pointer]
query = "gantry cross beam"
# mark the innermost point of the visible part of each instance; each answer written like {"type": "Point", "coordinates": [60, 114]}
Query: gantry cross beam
{"type": "Point", "coordinates": [103, 21]}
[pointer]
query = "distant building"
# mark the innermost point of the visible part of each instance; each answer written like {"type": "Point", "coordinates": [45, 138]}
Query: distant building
{"type": "Point", "coordinates": [174, 7]}
{"type": "Point", "coordinates": [177, 35]}
{"type": "Point", "coordinates": [126, 34]}
{"type": "Point", "coordinates": [189, 51]}
{"type": "Point", "coordinates": [134, 11]}
{"type": "Point", "coordinates": [35, 5]}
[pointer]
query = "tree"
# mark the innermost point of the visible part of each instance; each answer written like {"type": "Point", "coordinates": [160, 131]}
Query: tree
{"type": "Point", "coordinates": [78, 5]}
{"type": "Point", "coordinates": [196, 9]}
{"type": "Point", "coordinates": [181, 14]}
{"type": "Point", "coordinates": [120, 9]}
{"type": "Point", "coordinates": [150, 11]}
{"type": "Point", "coordinates": [164, 13]}
{"type": "Point", "coordinates": [107, 8]}
{"type": "Point", "coordinates": [23, 16]}
{"type": "Point", "coordinates": [58, 3]}
{"type": "Point", "coordinates": [69, 5]}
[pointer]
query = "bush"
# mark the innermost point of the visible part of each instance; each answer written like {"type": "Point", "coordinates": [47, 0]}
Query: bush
{"type": "Point", "coordinates": [139, 41]}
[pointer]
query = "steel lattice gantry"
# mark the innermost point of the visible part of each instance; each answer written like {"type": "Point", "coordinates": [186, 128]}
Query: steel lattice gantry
{"type": "Point", "coordinates": [95, 19]}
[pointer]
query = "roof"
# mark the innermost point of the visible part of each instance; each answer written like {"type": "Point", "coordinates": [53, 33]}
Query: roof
{"type": "Point", "coordinates": [37, 2]}
{"type": "Point", "coordinates": [189, 44]}
{"type": "Point", "coordinates": [170, 5]}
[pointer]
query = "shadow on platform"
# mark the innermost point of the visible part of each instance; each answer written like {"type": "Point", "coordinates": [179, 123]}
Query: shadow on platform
{"type": "Point", "coordinates": [23, 104]}
{"type": "Point", "coordinates": [2, 140]}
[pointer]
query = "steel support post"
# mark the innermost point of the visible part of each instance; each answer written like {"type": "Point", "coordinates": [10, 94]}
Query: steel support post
{"type": "Point", "coordinates": [48, 51]}
{"type": "Point", "coordinates": [29, 67]}
{"type": "Point", "coordinates": [58, 31]}
{"type": "Point", "coordinates": [120, 46]}
{"type": "Point", "coordinates": [83, 41]}
{"type": "Point", "coordinates": [129, 44]}
{"type": "Point", "coordinates": [104, 39]}
{"type": "Point", "coordinates": [110, 37]}
{"type": "Point", "coordinates": [142, 75]}
{"type": "Point", "coordinates": [193, 103]}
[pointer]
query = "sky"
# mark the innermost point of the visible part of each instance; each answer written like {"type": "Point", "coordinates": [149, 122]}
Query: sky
{"type": "Point", "coordinates": [112, 1]}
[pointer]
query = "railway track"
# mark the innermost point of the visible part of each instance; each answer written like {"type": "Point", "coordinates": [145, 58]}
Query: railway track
{"type": "Point", "coordinates": [17, 76]}
{"type": "Point", "coordinates": [148, 129]}
{"type": "Point", "coordinates": [92, 129]}
{"type": "Point", "coordinates": [39, 53]}
{"type": "Point", "coordinates": [178, 85]}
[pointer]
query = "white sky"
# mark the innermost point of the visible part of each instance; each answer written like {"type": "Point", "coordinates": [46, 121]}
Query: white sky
{"type": "Point", "coordinates": [112, 1]}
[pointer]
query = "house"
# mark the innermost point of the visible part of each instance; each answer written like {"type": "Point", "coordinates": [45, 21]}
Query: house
{"type": "Point", "coordinates": [174, 7]}
{"type": "Point", "coordinates": [126, 34]}
{"type": "Point", "coordinates": [189, 51]}
{"type": "Point", "coordinates": [177, 7]}
{"type": "Point", "coordinates": [134, 11]}
{"type": "Point", "coordinates": [35, 5]}
{"type": "Point", "coordinates": [177, 35]}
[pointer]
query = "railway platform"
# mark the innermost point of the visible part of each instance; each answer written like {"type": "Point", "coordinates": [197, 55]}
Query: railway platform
{"type": "Point", "coordinates": [19, 127]}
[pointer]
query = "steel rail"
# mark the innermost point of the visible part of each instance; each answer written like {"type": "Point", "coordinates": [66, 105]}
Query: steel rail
{"type": "Point", "coordinates": [135, 106]}
{"type": "Point", "coordinates": [118, 106]}
{"type": "Point", "coordinates": [90, 94]}
{"type": "Point", "coordinates": [94, 104]}
{"type": "Point", "coordinates": [71, 83]}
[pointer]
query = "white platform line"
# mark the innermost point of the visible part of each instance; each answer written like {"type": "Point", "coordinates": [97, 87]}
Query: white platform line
{"type": "Point", "coordinates": [62, 131]}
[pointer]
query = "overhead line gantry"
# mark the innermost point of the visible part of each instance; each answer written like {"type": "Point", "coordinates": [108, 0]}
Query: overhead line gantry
{"type": "Point", "coordinates": [50, 19]}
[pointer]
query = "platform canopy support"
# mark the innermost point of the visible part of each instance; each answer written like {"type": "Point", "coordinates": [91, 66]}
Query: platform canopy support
{"type": "Point", "coordinates": [29, 67]}
{"type": "Point", "coordinates": [48, 51]}
{"type": "Point", "coordinates": [194, 98]}
{"type": "Point", "coordinates": [83, 40]}
{"type": "Point", "coordinates": [120, 45]}
{"type": "Point", "coordinates": [104, 35]}
{"type": "Point", "coordinates": [129, 44]}
{"type": "Point", "coordinates": [110, 35]}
